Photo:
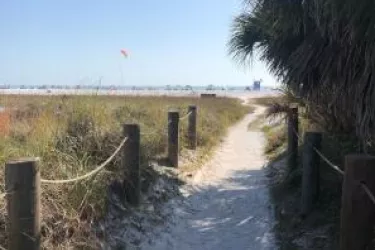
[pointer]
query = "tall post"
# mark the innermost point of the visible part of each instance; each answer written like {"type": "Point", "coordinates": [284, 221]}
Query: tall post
{"type": "Point", "coordinates": [173, 119]}
{"type": "Point", "coordinates": [357, 210]}
{"type": "Point", "coordinates": [22, 184]}
{"type": "Point", "coordinates": [310, 175]}
{"type": "Point", "coordinates": [293, 136]}
{"type": "Point", "coordinates": [131, 158]}
{"type": "Point", "coordinates": [192, 127]}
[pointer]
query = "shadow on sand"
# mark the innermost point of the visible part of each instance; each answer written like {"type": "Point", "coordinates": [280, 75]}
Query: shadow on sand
{"type": "Point", "coordinates": [318, 230]}
{"type": "Point", "coordinates": [235, 214]}
{"type": "Point", "coordinates": [252, 209]}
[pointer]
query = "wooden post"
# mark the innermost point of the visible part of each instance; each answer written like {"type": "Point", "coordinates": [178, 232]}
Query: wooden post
{"type": "Point", "coordinates": [131, 157]}
{"type": "Point", "coordinates": [192, 127]}
{"type": "Point", "coordinates": [310, 176]}
{"type": "Point", "coordinates": [173, 119]}
{"type": "Point", "coordinates": [22, 184]}
{"type": "Point", "coordinates": [357, 210]}
{"type": "Point", "coordinates": [292, 136]}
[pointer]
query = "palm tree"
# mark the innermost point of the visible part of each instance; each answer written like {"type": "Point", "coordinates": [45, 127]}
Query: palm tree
{"type": "Point", "coordinates": [326, 46]}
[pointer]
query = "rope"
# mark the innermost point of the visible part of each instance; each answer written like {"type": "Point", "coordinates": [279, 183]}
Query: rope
{"type": "Point", "coordinates": [89, 174]}
{"type": "Point", "coordinates": [335, 167]}
{"type": "Point", "coordinates": [368, 192]}
{"type": "Point", "coordinates": [186, 116]}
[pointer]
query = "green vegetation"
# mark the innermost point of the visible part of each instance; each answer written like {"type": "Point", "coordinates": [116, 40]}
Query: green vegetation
{"type": "Point", "coordinates": [285, 191]}
{"type": "Point", "coordinates": [74, 134]}
{"type": "Point", "coordinates": [276, 140]}
{"type": "Point", "coordinates": [322, 51]}
{"type": "Point", "coordinates": [254, 125]}
{"type": "Point", "coordinates": [267, 101]}
{"type": "Point", "coordinates": [273, 128]}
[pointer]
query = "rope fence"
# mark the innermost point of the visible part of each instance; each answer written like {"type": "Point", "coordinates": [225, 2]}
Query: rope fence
{"type": "Point", "coordinates": [185, 116]}
{"type": "Point", "coordinates": [91, 173]}
{"type": "Point", "coordinates": [22, 177]}
{"type": "Point", "coordinates": [333, 166]}
{"type": "Point", "coordinates": [338, 169]}
{"type": "Point", "coordinates": [357, 218]}
{"type": "Point", "coordinates": [324, 158]}
{"type": "Point", "coordinates": [368, 192]}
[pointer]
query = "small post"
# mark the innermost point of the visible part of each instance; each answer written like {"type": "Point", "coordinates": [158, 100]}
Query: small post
{"type": "Point", "coordinates": [357, 210]}
{"type": "Point", "coordinates": [22, 184]}
{"type": "Point", "coordinates": [173, 119]}
{"type": "Point", "coordinates": [292, 136]}
{"type": "Point", "coordinates": [310, 175]}
{"type": "Point", "coordinates": [192, 127]}
{"type": "Point", "coordinates": [131, 158]}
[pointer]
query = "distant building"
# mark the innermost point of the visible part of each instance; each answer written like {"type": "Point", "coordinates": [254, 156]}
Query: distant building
{"type": "Point", "coordinates": [256, 85]}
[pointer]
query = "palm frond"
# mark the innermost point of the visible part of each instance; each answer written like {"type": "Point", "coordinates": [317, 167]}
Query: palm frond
{"type": "Point", "coordinates": [325, 46]}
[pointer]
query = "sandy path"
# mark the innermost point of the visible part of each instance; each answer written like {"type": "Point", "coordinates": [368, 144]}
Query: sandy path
{"type": "Point", "coordinates": [226, 205]}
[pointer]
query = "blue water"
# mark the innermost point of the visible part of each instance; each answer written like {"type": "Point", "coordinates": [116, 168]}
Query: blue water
{"type": "Point", "coordinates": [113, 87]}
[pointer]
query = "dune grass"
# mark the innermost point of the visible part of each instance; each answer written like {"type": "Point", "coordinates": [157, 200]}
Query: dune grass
{"type": "Point", "coordinates": [273, 129]}
{"type": "Point", "coordinates": [267, 101]}
{"type": "Point", "coordinates": [74, 134]}
{"type": "Point", "coordinates": [286, 189]}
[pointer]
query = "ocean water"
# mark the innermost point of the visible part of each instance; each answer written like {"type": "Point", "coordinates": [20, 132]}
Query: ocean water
{"type": "Point", "coordinates": [137, 91]}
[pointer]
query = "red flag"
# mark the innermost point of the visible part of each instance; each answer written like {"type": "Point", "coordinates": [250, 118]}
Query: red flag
{"type": "Point", "coordinates": [124, 53]}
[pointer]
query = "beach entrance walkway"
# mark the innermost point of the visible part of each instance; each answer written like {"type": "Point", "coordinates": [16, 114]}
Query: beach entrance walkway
{"type": "Point", "coordinates": [226, 205]}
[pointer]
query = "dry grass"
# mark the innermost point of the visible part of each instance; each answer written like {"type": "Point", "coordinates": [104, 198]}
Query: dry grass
{"type": "Point", "coordinates": [73, 134]}
{"type": "Point", "coordinates": [256, 124]}
{"type": "Point", "coordinates": [286, 194]}
{"type": "Point", "coordinates": [272, 122]}
{"type": "Point", "coordinates": [276, 138]}
{"type": "Point", "coordinates": [269, 100]}
{"type": "Point", "coordinates": [4, 123]}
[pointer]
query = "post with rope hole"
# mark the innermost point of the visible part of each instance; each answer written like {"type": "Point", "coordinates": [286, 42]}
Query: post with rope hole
{"type": "Point", "coordinates": [293, 136]}
{"type": "Point", "coordinates": [310, 171]}
{"type": "Point", "coordinates": [173, 120]}
{"type": "Point", "coordinates": [22, 182]}
{"type": "Point", "coordinates": [131, 159]}
{"type": "Point", "coordinates": [357, 208]}
{"type": "Point", "coordinates": [192, 127]}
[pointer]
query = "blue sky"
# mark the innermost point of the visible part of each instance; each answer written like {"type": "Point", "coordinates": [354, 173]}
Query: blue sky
{"type": "Point", "coordinates": [78, 41]}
